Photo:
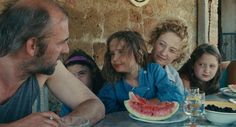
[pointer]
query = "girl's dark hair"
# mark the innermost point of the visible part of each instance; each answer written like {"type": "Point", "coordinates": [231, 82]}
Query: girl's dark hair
{"type": "Point", "coordinates": [134, 44]}
{"type": "Point", "coordinates": [211, 86]}
{"type": "Point", "coordinates": [80, 57]}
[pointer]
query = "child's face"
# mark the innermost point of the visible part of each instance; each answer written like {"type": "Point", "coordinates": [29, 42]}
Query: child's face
{"type": "Point", "coordinates": [166, 48]}
{"type": "Point", "coordinates": [83, 73]}
{"type": "Point", "coordinates": [206, 67]}
{"type": "Point", "coordinates": [122, 59]}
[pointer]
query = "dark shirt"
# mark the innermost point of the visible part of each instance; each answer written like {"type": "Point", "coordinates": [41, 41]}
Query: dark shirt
{"type": "Point", "coordinates": [20, 104]}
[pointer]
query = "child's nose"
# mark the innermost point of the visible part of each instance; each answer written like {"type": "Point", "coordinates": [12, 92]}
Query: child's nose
{"type": "Point", "coordinates": [207, 69]}
{"type": "Point", "coordinates": [115, 57]}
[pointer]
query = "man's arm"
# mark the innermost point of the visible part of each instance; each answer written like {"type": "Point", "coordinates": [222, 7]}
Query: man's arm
{"type": "Point", "coordinates": [39, 119]}
{"type": "Point", "coordinates": [75, 94]}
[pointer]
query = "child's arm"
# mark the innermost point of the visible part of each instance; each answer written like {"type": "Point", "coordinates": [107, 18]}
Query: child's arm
{"type": "Point", "coordinates": [108, 97]}
{"type": "Point", "coordinates": [169, 92]}
{"type": "Point", "coordinates": [166, 91]}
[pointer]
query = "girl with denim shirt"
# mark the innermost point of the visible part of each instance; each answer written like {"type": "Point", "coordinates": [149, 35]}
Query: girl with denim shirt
{"type": "Point", "coordinates": [126, 69]}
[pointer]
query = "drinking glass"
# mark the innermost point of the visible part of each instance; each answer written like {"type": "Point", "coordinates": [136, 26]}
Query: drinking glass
{"type": "Point", "coordinates": [194, 105]}
{"type": "Point", "coordinates": [192, 91]}
{"type": "Point", "coordinates": [75, 121]}
{"type": "Point", "coordinates": [202, 101]}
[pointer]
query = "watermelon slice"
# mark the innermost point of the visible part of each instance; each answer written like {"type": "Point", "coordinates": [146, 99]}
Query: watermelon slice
{"type": "Point", "coordinates": [232, 87]}
{"type": "Point", "coordinates": [143, 109]}
{"type": "Point", "coordinates": [137, 98]}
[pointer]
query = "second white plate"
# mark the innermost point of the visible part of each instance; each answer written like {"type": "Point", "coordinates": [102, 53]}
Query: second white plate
{"type": "Point", "coordinates": [226, 91]}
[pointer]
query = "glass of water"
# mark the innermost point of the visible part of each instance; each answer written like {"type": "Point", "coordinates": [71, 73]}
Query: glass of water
{"type": "Point", "coordinates": [194, 105]}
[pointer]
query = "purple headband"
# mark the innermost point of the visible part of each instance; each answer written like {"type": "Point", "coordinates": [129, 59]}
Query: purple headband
{"type": "Point", "coordinates": [77, 58]}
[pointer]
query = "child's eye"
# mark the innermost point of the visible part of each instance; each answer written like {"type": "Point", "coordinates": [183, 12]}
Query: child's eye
{"type": "Point", "coordinates": [123, 52]}
{"type": "Point", "coordinates": [120, 51]}
{"type": "Point", "coordinates": [212, 66]}
{"type": "Point", "coordinates": [82, 72]}
{"type": "Point", "coordinates": [161, 44]}
{"type": "Point", "coordinates": [202, 65]}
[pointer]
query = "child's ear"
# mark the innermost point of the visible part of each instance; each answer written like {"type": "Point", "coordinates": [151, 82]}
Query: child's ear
{"type": "Point", "coordinates": [31, 46]}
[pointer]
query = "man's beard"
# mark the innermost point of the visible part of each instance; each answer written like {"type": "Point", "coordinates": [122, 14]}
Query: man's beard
{"type": "Point", "coordinates": [45, 69]}
{"type": "Point", "coordinates": [40, 65]}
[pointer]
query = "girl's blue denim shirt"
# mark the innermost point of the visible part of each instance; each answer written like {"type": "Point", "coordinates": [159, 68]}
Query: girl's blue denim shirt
{"type": "Point", "coordinates": [153, 83]}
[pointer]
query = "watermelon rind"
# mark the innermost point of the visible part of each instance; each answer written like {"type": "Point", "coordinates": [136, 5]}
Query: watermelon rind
{"type": "Point", "coordinates": [131, 95]}
{"type": "Point", "coordinates": [136, 98]}
{"type": "Point", "coordinates": [232, 87]}
{"type": "Point", "coordinates": [132, 111]}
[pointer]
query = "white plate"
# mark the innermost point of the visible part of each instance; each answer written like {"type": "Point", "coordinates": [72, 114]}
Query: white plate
{"type": "Point", "coordinates": [226, 91]}
{"type": "Point", "coordinates": [177, 117]}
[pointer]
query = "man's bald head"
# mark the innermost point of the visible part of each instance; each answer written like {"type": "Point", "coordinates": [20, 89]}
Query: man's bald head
{"type": "Point", "coordinates": [49, 5]}
{"type": "Point", "coordinates": [25, 19]}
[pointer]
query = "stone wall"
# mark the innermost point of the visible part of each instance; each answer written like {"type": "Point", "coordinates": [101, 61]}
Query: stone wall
{"type": "Point", "coordinates": [92, 21]}
{"type": "Point", "coordinates": [213, 22]}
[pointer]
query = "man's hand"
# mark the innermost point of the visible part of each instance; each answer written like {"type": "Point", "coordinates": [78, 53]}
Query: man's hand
{"type": "Point", "coordinates": [42, 119]}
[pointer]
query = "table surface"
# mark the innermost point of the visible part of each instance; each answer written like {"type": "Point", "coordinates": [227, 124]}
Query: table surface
{"type": "Point", "coordinates": [122, 119]}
